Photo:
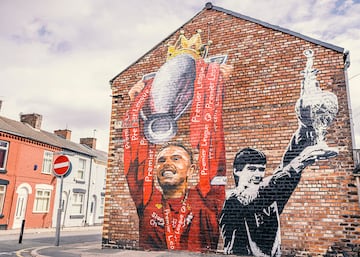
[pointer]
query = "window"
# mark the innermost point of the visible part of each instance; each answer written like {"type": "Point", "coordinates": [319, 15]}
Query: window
{"type": "Point", "coordinates": [80, 175]}
{"type": "Point", "coordinates": [4, 147]}
{"type": "Point", "coordinates": [42, 201]}
{"type": "Point", "coordinates": [47, 162]}
{"type": "Point", "coordinates": [78, 203]}
{"type": "Point", "coordinates": [2, 198]}
{"type": "Point", "coordinates": [102, 202]}
{"type": "Point", "coordinates": [42, 198]}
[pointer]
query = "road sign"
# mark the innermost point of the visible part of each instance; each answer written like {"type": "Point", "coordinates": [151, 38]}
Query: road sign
{"type": "Point", "coordinates": [62, 166]}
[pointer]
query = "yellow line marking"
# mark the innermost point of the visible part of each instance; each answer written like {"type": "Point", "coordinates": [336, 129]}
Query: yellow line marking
{"type": "Point", "coordinates": [18, 253]}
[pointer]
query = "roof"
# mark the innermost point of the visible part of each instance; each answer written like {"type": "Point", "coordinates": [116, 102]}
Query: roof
{"type": "Point", "coordinates": [210, 6]}
{"type": "Point", "coordinates": [101, 156]}
{"type": "Point", "coordinates": [277, 28]}
{"type": "Point", "coordinates": [24, 130]}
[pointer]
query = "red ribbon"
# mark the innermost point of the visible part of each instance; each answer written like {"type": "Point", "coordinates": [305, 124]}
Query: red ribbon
{"type": "Point", "coordinates": [173, 231]}
{"type": "Point", "coordinates": [206, 118]}
{"type": "Point", "coordinates": [136, 146]}
{"type": "Point", "coordinates": [197, 108]}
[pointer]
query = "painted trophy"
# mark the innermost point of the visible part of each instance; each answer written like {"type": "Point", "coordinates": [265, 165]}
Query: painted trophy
{"type": "Point", "coordinates": [171, 94]}
{"type": "Point", "coordinates": [172, 89]}
{"type": "Point", "coordinates": [316, 108]}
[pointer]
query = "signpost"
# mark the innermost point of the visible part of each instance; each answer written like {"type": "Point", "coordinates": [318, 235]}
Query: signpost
{"type": "Point", "coordinates": [62, 168]}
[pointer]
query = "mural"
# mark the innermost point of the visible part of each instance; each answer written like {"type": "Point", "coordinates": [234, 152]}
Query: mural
{"type": "Point", "coordinates": [249, 220]}
{"type": "Point", "coordinates": [173, 215]}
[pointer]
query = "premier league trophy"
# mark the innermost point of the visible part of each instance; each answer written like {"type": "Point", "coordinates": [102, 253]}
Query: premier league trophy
{"type": "Point", "coordinates": [316, 108]}
{"type": "Point", "coordinates": [172, 88]}
{"type": "Point", "coordinates": [171, 94]}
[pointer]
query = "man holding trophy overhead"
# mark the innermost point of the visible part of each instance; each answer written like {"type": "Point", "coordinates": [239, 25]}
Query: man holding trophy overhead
{"type": "Point", "coordinates": [172, 214]}
{"type": "Point", "coordinates": [250, 218]}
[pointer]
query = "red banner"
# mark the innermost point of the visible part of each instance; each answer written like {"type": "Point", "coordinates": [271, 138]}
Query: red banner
{"type": "Point", "coordinates": [209, 134]}
{"type": "Point", "coordinates": [136, 146]}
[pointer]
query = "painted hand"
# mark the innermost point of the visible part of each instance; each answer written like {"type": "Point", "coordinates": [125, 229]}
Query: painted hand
{"type": "Point", "coordinates": [308, 156]}
{"type": "Point", "coordinates": [226, 70]}
{"type": "Point", "coordinates": [136, 89]}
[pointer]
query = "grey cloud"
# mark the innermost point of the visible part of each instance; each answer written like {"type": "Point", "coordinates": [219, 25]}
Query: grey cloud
{"type": "Point", "coordinates": [53, 52]}
{"type": "Point", "coordinates": [61, 47]}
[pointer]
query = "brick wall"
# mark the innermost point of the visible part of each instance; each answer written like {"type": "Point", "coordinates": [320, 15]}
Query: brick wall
{"type": "Point", "coordinates": [321, 216]}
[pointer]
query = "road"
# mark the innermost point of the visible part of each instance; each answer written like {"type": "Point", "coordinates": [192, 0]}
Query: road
{"type": "Point", "coordinates": [75, 242]}
{"type": "Point", "coordinates": [10, 246]}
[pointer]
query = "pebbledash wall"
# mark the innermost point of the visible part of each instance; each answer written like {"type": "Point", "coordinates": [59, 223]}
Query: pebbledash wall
{"type": "Point", "coordinates": [267, 66]}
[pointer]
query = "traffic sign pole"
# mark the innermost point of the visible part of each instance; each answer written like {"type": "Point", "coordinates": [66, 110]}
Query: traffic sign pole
{"type": "Point", "coordinates": [58, 219]}
{"type": "Point", "coordinates": [62, 167]}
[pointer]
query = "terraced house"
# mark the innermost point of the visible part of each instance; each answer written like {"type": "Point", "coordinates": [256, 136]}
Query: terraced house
{"type": "Point", "coordinates": [29, 191]}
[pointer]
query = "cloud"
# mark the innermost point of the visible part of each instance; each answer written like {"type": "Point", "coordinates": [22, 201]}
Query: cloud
{"type": "Point", "coordinates": [57, 57]}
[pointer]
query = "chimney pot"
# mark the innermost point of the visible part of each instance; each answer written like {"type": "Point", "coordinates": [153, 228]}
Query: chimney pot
{"type": "Point", "coordinates": [64, 133]}
{"type": "Point", "coordinates": [33, 119]}
{"type": "Point", "coordinates": [89, 141]}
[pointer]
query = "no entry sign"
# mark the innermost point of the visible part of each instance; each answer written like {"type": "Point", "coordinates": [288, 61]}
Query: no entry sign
{"type": "Point", "coordinates": [62, 166]}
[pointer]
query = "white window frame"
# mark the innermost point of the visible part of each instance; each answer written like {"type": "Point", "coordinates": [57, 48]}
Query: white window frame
{"type": "Point", "coordinates": [47, 162]}
{"type": "Point", "coordinates": [78, 203]}
{"type": "Point", "coordinates": [80, 174]}
{"type": "Point", "coordinates": [4, 148]}
{"type": "Point", "coordinates": [102, 205]}
{"type": "Point", "coordinates": [42, 199]}
{"type": "Point", "coordinates": [2, 198]}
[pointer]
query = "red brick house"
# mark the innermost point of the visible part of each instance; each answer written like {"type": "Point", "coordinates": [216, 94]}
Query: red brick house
{"type": "Point", "coordinates": [252, 101]}
{"type": "Point", "coordinates": [26, 174]}
{"type": "Point", "coordinates": [29, 192]}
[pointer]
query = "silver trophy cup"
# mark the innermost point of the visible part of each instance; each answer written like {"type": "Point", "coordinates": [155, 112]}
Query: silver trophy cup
{"type": "Point", "coordinates": [170, 96]}
{"type": "Point", "coordinates": [316, 108]}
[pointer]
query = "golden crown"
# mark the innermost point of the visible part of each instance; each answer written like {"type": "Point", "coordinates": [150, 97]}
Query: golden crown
{"type": "Point", "coordinates": [192, 46]}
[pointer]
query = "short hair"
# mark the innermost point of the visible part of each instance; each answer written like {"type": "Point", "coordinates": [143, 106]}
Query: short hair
{"type": "Point", "coordinates": [247, 156]}
{"type": "Point", "coordinates": [178, 144]}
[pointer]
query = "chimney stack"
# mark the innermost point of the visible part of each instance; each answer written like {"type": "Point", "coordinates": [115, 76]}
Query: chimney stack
{"type": "Point", "coordinates": [64, 133]}
{"type": "Point", "coordinates": [89, 141]}
{"type": "Point", "coordinates": [33, 119]}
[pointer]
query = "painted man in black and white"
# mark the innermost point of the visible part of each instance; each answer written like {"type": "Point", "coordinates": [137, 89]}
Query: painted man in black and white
{"type": "Point", "coordinates": [249, 221]}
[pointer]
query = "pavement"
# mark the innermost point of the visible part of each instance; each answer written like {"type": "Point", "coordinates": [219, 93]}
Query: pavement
{"type": "Point", "coordinates": [94, 249]}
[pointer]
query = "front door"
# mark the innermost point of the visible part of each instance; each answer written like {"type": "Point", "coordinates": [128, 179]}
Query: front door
{"type": "Point", "coordinates": [92, 214]}
{"type": "Point", "coordinates": [21, 204]}
{"type": "Point", "coordinates": [64, 207]}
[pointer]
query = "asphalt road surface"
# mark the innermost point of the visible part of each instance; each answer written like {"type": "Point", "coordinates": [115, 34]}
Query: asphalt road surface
{"type": "Point", "coordinates": [10, 246]}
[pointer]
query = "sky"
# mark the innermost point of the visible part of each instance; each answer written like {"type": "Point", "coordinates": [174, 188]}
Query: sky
{"type": "Point", "coordinates": [57, 57]}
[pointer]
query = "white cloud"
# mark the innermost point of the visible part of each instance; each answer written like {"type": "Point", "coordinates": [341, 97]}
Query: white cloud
{"type": "Point", "coordinates": [57, 57]}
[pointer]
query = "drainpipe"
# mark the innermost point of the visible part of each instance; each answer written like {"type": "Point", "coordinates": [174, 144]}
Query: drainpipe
{"type": "Point", "coordinates": [356, 174]}
{"type": "Point", "coordinates": [11, 215]}
{"type": "Point", "coordinates": [358, 187]}
{"type": "Point", "coordinates": [88, 192]}
{"type": "Point", "coordinates": [356, 171]}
